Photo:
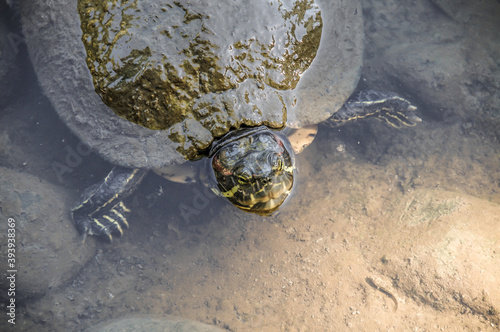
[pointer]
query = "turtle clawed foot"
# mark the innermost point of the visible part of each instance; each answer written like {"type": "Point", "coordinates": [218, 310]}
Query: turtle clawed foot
{"type": "Point", "coordinates": [387, 106]}
{"type": "Point", "coordinates": [398, 112]}
{"type": "Point", "coordinates": [409, 114]}
{"type": "Point", "coordinates": [397, 119]}
{"type": "Point", "coordinates": [414, 119]}
{"type": "Point", "coordinates": [107, 224]}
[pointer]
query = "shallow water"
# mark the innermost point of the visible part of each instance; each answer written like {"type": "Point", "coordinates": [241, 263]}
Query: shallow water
{"type": "Point", "coordinates": [388, 229]}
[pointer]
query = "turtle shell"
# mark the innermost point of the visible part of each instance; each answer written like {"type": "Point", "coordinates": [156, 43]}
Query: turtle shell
{"type": "Point", "coordinates": [181, 73]}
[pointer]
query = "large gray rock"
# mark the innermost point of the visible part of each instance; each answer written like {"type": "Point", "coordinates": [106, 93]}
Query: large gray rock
{"type": "Point", "coordinates": [48, 249]}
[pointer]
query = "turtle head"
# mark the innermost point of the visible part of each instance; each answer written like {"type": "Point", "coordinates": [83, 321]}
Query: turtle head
{"type": "Point", "coordinates": [254, 169]}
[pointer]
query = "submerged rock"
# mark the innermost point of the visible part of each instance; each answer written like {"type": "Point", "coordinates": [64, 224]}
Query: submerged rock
{"type": "Point", "coordinates": [47, 251]}
{"type": "Point", "coordinates": [450, 256]}
{"type": "Point", "coordinates": [152, 323]}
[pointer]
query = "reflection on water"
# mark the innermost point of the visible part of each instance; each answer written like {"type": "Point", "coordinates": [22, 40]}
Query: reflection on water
{"type": "Point", "coordinates": [414, 210]}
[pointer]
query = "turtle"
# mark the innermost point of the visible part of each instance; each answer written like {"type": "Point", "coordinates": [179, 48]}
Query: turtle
{"type": "Point", "coordinates": [237, 87]}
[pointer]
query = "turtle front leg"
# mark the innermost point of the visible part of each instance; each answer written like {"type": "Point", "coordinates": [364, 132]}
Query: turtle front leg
{"type": "Point", "coordinates": [386, 106]}
{"type": "Point", "coordinates": [101, 210]}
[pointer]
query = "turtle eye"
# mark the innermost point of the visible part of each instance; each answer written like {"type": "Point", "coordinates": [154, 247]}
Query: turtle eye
{"type": "Point", "coordinates": [279, 166]}
{"type": "Point", "coordinates": [244, 176]}
{"type": "Point", "coordinates": [276, 162]}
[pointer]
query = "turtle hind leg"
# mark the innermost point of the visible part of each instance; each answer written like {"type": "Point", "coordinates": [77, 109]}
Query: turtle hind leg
{"type": "Point", "coordinates": [385, 106]}
{"type": "Point", "coordinates": [101, 211]}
